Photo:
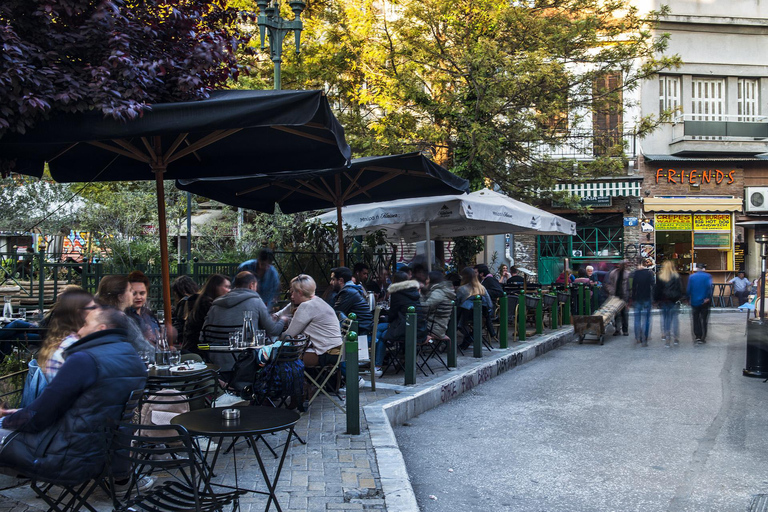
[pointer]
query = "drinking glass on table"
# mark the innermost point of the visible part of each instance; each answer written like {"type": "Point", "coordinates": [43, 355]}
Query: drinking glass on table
{"type": "Point", "coordinates": [234, 339]}
{"type": "Point", "coordinates": [261, 337]}
{"type": "Point", "coordinates": [23, 313]}
{"type": "Point", "coordinates": [174, 356]}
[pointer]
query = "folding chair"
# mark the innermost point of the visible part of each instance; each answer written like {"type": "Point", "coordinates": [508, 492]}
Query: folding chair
{"type": "Point", "coordinates": [322, 374]}
{"type": "Point", "coordinates": [394, 347]}
{"type": "Point", "coordinates": [70, 498]}
{"type": "Point", "coordinates": [435, 344]}
{"type": "Point", "coordinates": [174, 449]}
{"type": "Point", "coordinates": [274, 384]}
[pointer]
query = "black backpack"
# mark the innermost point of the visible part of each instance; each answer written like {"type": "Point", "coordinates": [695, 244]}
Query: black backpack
{"type": "Point", "coordinates": [673, 289]}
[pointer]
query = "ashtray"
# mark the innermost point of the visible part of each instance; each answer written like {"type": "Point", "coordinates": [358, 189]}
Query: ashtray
{"type": "Point", "coordinates": [230, 414]}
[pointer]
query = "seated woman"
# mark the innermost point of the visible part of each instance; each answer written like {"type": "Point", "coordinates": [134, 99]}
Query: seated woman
{"type": "Point", "coordinates": [314, 318]}
{"type": "Point", "coordinates": [403, 293]}
{"type": "Point", "coordinates": [439, 292]}
{"type": "Point", "coordinates": [115, 292]}
{"type": "Point", "coordinates": [465, 295]}
{"type": "Point", "coordinates": [183, 289]}
{"type": "Point", "coordinates": [198, 306]}
{"type": "Point", "coordinates": [139, 310]}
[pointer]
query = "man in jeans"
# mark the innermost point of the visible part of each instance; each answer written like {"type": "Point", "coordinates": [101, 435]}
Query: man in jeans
{"type": "Point", "coordinates": [700, 293]}
{"type": "Point", "coordinates": [642, 296]}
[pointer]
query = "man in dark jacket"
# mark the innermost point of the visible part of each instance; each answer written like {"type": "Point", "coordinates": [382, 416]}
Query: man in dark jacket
{"type": "Point", "coordinates": [351, 298]}
{"type": "Point", "coordinates": [642, 296]}
{"type": "Point", "coordinates": [60, 436]}
{"type": "Point", "coordinates": [491, 284]}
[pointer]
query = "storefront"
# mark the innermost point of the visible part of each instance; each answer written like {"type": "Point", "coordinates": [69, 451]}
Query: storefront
{"type": "Point", "coordinates": [694, 230]}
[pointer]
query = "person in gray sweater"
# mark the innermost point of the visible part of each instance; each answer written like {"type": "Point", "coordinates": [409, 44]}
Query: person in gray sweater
{"type": "Point", "coordinates": [228, 310]}
{"type": "Point", "coordinates": [439, 292]}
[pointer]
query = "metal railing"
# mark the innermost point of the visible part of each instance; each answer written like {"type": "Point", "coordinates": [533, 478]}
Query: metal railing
{"type": "Point", "coordinates": [587, 145]}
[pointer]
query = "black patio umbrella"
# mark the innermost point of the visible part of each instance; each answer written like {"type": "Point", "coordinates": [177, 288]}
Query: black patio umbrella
{"type": "Point", "coordinates": [231, 133]}
{"type": "Point", "coordinates": [364, 180]}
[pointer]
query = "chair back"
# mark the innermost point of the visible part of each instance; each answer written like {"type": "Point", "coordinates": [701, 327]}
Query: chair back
{"type": "Point", "coordinates": [193, 389]}
{"type": "Point", "coordinates": [218, 334]}
{"type": "Point", "coordinates": [291, 349]}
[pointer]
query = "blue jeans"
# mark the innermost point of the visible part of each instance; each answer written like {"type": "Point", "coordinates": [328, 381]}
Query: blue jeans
{"type": "Point", "coordinates": [642, 320]}
{"type": "Point", "coordinates": [380, 347]}
{"type": "Point", "coordinates": [670, 324]}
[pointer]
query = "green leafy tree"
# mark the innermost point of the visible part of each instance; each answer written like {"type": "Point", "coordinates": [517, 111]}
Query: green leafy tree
{"type": "Point", "coordinates": [481, 84]}
{"type": "Point", "coordinates": [42, 206]}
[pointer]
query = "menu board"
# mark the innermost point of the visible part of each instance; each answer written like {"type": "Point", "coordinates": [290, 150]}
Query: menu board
{"type": "Point", "coordinates": [711, 240]}
{"type": "Point", "coordinates": [712, 221]}
{"type": "Point", "coordinates": [673, 222]}
{"type": "Point", "coordinates": [740, 250]}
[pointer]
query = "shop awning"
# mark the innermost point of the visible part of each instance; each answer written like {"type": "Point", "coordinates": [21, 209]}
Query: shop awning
{"type": "Point", "coordinates": [602, 188]}
{"type": "Point", "coordinates": [693, 204]}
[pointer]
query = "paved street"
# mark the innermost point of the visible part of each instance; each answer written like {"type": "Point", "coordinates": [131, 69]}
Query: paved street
{"type": "Point", "coordinates": [601, 428]}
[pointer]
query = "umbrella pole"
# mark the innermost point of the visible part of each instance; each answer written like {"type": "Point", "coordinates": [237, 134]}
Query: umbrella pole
{"type": "Point", "coordinates": [340, 233]}
{"type": "Point", "coordinates": [164, 264]}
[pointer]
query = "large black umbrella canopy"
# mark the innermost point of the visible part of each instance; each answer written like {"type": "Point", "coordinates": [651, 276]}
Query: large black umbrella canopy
{"type": "Point", "coordinates": [364, 180]}
{"type": "Point", "coordinates": [230, 133]}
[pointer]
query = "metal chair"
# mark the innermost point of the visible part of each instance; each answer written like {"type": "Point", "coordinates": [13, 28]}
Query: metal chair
{"type": "Point", "coordinates": [434, 345]}
{"type": "Point", "coordinates": [320, 376]}
{"type": "Point", "coordinates": [71, 498]}
{"type": "Point", "coordinates": [173, 449]}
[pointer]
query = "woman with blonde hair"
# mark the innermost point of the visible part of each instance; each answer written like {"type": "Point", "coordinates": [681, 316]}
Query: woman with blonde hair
{"type": "Point", "coordinates": [668, 290]}
{"type": "Point", "coordinates": [470, 287]}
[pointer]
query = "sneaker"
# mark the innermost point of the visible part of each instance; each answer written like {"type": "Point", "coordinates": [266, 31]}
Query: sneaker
{"type": "Point", "coordinates": [360, 383]}
{"type": "Point", "coordinates": [677, 341]}
{"type": "Point", "coordinates": [666, 345]}
{"type": "Point", "coordinates": [144, 484]}
{"type": "Point", "coordinates": [226, 400]}
{"type": "Point", "coordinates": [378, 372]}
{"type": "Point", "coordinates": [698, 341]}
{"type": "Point", "coordinates": [664, 339]}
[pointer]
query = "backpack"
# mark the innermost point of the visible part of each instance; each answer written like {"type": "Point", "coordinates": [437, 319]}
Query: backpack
{"type": "Point", "coordinates": [156, 412]}
{"type": "Point", "coordinates": [673, 290]}
{"type": "Point", "coordinates": [34, 384]}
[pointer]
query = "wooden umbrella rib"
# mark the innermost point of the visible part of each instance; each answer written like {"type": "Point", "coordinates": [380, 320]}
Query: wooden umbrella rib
{"type": "Point", "coordinates": [176, 143]}
{"type": "Point", "coordinates": [352, 184]}
{"type": "Point", "coordinates": [365, 189]}
{"type": "Point", "coordinates": [209, 139]}
{"type": "Point", "coordinates": [297, 190]}
{"type": "Point", "coordinates": [150, 149]}
{"type": "Point", "coordinates": [327, 187]}
{"type": "Point", "coordinates": [311, 186]}
{"type": "Point", "coordinates": [305, 135]}
{"type": "Point", "coordinates": [140, 157]}
{"type": "Point", "coordinates": [252, 189]}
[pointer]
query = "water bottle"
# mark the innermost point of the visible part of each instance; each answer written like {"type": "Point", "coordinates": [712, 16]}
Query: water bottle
{"type": "Point", "coordinates": [163, 352]}
{"type": "Point", "coordinates": [249, 331]}
{"type": "Point", "coordinates": [7, 308]}
{"type": "Point", "coordinates": [371, 300]}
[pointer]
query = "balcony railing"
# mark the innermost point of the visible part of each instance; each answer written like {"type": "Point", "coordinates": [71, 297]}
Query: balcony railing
{"type": "Point", "coordinates": [736, 128]}
{"type": "Point", "coordinates": [587, 145]}
{"type": "Point", "coordinates": [719, 134]}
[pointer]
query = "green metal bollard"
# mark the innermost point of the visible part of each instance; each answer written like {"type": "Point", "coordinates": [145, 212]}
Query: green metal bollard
{"type": "Point", "coordinates": [567, 308]}
{"type": "Point", "coordinates": [521, 317]}
{"type": "Point", "coordinates": [580, 299]}
{"type": "Point", "coordinates": [353, 388]}
{"type": "Point", "coordinates": [453, 344]}
{"type": "Point", "coordinates": [477, 327]}
{"type": "Point", "coordinates": [540, 314]}
{"type": "Point", "coordinates": [595, 296]}
{"type": "Point", "coordinates": [410, 346]}
{"type": "Point", "coordinates": [503, 320]}
{"type": "Point", "coordinates": [555, 313]}
{"type": "Point", "coordinates": [588, 299]}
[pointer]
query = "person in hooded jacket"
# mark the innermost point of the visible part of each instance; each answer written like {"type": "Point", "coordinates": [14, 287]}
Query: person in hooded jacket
{"type": "Point", "coordinates": [351, 298]}
{"type": "Point", "coordinates": [228, 310]}
{"type": "Point", "coordinates": [60, 435]}
{"type": "Point", "coordinates": [403, 293]}
{"type": "Point", "coordinates": [439, 291]}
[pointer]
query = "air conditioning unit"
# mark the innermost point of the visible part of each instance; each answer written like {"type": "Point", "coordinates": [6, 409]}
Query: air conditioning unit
{"type": "Point", "coordinates": [756, 200]}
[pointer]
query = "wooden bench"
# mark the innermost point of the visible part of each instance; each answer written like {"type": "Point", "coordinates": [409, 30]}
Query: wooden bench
{"type": "Point", "coordinates": [596, 322]}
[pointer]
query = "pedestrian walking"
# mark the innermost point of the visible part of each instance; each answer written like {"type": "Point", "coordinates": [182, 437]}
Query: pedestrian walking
{"type": "Point", "coordinates": [618, 286]}
{"type": "Point", "coordinates": [669, 290]}
{"type": "Point", "coordinates": [700, 293]}
{"type": "Point", "coordinates": [642, 296]}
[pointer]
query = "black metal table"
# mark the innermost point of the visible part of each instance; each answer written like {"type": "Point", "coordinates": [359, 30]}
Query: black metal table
{"type": "Point", "coordinates": [254, 422]}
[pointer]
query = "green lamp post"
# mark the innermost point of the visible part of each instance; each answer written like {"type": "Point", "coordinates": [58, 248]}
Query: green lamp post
{"type": "Point", "coordinates": [273, 26]}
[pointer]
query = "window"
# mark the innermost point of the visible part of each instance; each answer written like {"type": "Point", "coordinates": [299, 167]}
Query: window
{"type": "Point", "coordinates": [748, 100]}
{"type": "Point", "coordinates": [669, 93]}
{"type": "Point", "coordinates": [708, 99]}
{"type": "Point", "coordinates": [607, 113]}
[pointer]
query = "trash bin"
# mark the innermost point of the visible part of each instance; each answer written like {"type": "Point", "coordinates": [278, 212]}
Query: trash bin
{"type": "Point", "coordinates": [757, 348]}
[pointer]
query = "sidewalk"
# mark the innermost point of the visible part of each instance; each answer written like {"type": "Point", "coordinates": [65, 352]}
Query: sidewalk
{"type": "Point", "coordinates": [335, 470]}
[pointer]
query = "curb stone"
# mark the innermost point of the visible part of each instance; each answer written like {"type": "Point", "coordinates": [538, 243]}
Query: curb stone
{"type": "Point", "coordinates": [412, 401]}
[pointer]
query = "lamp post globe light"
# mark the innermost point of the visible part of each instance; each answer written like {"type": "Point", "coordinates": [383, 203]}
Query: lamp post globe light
{"type": "Point", "coordinates": [274, 27]}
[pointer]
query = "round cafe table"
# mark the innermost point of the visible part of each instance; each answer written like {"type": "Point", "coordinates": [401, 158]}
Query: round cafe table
{"type": "Point", "coordinates": [254, 422]}
{"type": "Point", "coordinates": [154, 371]}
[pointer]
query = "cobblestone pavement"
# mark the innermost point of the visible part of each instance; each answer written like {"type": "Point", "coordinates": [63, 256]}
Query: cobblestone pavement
{"type": "Point", "coordinates": [333, 471]}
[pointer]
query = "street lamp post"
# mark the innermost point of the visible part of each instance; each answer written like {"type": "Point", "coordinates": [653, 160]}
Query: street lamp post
{"type": "Point", "coordinates": [274, 26]}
